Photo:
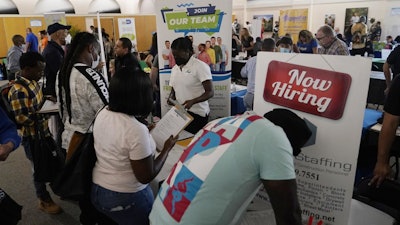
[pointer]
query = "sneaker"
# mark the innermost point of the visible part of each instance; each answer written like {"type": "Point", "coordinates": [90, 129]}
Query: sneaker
{"type": "Point", "coordinates": [49, 206]}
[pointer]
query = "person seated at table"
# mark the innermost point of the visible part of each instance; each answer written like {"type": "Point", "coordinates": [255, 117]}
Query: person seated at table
{"type": "Point", "coordinates": [203, 55]}
{"type": "Point", "coordinates": [307, 43]}
{"type": "Point", "coordinates": [329, 43]}
{"type": "Point", "coordinates": [125, 150]}
{"type": "Point", "coordinates": [225, 164]}
{"type": "Point", "coordinates": [249, 71]}
{"type": "Point", "coordinates": [285, 45]}
{"type": "Point", "coordinates": [389, 42]}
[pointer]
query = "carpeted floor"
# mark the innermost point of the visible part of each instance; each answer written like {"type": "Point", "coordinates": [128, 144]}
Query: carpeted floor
{"type": "Point", "coordinates": [16, 180]}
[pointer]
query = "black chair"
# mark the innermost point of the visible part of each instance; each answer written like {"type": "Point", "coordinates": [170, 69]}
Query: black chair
{"type": "Point", "coordinates": [376, 92]}
{"type": "Point", "coordinates": [386, 198]}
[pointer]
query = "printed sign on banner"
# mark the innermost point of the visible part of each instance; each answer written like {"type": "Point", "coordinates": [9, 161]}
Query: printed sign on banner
{"type": "Point", "coordinates": [126, 28]}
{"type": "Point", "coordinates": [292, 21]}
{"type": "Point", "coordinates": [330, 93]}
{"type": "Point", "coordinates": [202, 20]}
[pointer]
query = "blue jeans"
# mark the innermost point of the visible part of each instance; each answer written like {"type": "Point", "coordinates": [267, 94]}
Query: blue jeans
{"type": "Point", "coordinates": [222, 67]}
{"type": "Point", "coordinates": [40, 187]}
{"type": "Point", "coordinates": [123, 208]}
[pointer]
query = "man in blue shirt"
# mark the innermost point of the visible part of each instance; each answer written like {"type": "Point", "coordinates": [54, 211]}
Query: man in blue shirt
{"type": "Point", "coordinates": [32, 43]}
{"type": "Point", "coordinates": [249, 71]}
{"type": "Point", "coordinates": [9, 139]}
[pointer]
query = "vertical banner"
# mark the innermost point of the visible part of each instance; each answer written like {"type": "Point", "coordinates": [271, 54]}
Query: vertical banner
{"type": "Point", "coordinates": [292, 21]}
{"type": "Point", "coordinates": [56, 17]}
{"type": "Point", "coordinates": [329, 92]}
{"type": "Point", "coordinates": [202, 20]}
{"type": "Point", "coordinates": [127, 28]}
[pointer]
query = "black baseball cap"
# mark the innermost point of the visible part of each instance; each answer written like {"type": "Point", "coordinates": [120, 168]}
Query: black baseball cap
{"type": "Point", "coordinates": [294, 127]}
{"type": "Point", "coordinates": [56, 27]}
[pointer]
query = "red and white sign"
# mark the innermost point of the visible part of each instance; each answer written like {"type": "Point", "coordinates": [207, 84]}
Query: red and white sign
{"type": "Point", "coordinates": [330, 92]}
{"type": "Point", "coordinates": [312, 90]}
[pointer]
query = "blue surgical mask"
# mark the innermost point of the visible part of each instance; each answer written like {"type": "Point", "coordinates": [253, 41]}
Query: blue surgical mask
{"type": "Point", "coordinates": [285, 50]}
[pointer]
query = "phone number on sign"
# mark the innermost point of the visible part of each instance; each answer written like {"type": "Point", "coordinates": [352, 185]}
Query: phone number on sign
{"type": "Point", "coordinates": [307, 174]}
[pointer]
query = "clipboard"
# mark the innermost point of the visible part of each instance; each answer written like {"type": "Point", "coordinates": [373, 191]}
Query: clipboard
{"type": "Point", "coordinates": [172, 123]}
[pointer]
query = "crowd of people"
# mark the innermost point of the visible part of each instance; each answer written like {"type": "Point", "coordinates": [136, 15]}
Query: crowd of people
{"type": "Point", "coordinates": [116, 113]}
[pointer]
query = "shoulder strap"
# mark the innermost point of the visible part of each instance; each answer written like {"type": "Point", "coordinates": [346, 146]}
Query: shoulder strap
{"type": "Point", "coordinates": [97, 80]}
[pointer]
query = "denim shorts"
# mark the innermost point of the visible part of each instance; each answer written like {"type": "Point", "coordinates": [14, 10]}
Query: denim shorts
{"type": "Point", "coordinates": [123, 208]}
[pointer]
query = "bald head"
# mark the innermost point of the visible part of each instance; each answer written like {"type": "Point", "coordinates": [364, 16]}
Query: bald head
{"type": "Point", "coordinates": [327, 31]}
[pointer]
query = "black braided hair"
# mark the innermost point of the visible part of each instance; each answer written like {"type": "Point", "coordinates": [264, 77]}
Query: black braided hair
{"type": "Point", "coordinates": [74, 51]}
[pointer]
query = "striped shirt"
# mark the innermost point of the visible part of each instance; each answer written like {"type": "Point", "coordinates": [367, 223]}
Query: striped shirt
{"type": "Point", "coordinates": [24, 107]}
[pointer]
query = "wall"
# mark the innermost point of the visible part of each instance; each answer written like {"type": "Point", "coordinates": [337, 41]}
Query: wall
{"type": "Point", "coordinates": [380, 10]}
{"type": "Point", "coordinates": [11, 25]}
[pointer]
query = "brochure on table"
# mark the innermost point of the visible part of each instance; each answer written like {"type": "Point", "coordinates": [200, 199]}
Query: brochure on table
{"type": "Point", "coordinates": [330, 93]}
{"type": "Point", "coordinates": [203, 20]}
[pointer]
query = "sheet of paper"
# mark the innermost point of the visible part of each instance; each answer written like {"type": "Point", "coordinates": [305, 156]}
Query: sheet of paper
{"type": "Point", "coordinates": [172, 123]}
{"type": "Point", "coordinates": [49, 107]}
{"type": "Point", "coordinates": [184, 135]}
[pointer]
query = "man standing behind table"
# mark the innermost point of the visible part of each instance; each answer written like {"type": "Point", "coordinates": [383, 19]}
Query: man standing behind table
{"type": "Point", "coordinates": [13, 55]}
{"type": "Point", "coordinates": [53, 54]}
{"type": "Point", "coordinates": [9, 139]}
{"type": "Point", "coordinates": [330, 45]}
{"type": "Point", "coordinates": [220, 171]}
{"type": "Point", "coordinates": [32, 43]}
{"type": "Point", "coordinates": [249, 71]}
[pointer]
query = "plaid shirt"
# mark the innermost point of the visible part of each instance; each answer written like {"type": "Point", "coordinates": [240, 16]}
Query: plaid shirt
{"type": "Point", "coordinates": [25, 107]}
{"type": "Point", "coordinates": [337, 47]}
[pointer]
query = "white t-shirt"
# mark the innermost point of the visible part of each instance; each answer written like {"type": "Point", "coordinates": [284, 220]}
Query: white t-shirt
{"type": "Point", "coordinates": [118, 139]}
{"type": "Point", "coordinates": [188, 84]}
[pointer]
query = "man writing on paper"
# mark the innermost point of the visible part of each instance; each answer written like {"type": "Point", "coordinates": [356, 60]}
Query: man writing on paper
{"type": "Point", "coordinates": [220, 171]}
{"type": "Point", "coordinates": [191, 83]}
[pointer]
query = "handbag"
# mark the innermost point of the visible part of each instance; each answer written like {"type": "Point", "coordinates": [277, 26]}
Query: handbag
{"type": "Point", "coordinates": [75, 179]}
{"type": "Point", "coordinates": [10, 211]}
{"type": "Point", "coordinates": [48, 158]}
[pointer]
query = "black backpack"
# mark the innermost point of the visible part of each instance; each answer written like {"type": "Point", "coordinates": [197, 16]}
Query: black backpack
{"type": "Point", "coordinates": [5, 103]}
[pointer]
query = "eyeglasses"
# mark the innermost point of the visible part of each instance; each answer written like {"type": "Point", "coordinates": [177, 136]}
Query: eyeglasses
{"type": "Point", "coordinates": [320, 38]}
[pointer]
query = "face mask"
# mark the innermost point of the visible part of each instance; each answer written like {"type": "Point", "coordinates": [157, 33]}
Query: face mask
{"type": "Point", "coordinates": [285, 50]}
{"type": "Point", "coordinates": [23, 46]}
{"type": "Point", "coordinates": [95, 63]}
